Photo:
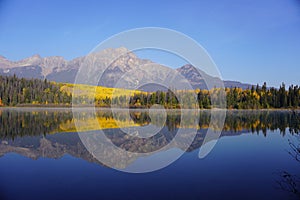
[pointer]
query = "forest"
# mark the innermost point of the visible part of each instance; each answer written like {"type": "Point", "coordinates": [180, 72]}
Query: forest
{"type": "Point", "coordinates": [16, 91]}
{"type": "Point", "coordinates": [256, 97]}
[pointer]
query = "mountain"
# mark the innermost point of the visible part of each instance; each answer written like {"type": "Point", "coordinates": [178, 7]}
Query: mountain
{"type": "Point", "coordinates": [38, 67]}
{"type": "Point", "coordinates": [56, 68]}
{"type": "Point", "coordinates": [196, 78]}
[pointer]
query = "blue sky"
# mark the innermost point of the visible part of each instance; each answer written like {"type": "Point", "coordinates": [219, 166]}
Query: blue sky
{"type": "Point", "coordinates": [250, 40]}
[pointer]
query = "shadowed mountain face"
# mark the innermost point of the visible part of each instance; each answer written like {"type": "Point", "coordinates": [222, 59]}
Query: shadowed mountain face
{"type": "Point", "coordinates": [197, 78]}
{"type": "Point", "coordinates": [58, 69]}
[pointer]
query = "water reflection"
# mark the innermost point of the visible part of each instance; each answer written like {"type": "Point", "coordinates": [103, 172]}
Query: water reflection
{"type": "Point", "coordinates": [34, 122]}
{"type": "Point", "coordinates": [287, 181]}
{"type": "Point", "coordinates": [239, 163]}
{"type": "Point", "coordinates": [52, 132]}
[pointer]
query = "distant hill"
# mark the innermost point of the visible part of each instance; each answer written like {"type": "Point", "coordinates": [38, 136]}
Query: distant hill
{"type": "Point", "coordinates": [56, 68]}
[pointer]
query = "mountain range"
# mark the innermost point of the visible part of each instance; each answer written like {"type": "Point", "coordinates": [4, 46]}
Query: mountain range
{"type": "Point", "coordinates": [56, 68]}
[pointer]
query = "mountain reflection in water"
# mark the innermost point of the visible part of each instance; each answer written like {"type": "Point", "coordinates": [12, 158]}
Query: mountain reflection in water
{"type": "Point", "coordinates": [52, 132]}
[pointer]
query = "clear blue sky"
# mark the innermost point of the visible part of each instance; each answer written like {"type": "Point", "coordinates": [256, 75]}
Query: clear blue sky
{"type": "Point", "coordinates": [250, 40]}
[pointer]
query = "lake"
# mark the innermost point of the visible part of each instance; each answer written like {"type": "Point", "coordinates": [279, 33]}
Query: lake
{"type": "Point", "coordinates": [57, 154]}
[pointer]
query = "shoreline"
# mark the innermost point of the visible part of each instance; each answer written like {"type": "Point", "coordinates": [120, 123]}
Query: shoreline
{"type": "Point", "coordinates": [52, 107]}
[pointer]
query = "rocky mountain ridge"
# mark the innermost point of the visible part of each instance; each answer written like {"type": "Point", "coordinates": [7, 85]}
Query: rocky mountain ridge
{"type": "Point", "coordinates": [56, 68]}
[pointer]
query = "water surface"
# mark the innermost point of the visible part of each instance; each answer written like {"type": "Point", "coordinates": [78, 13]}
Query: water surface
{"type": "Point", "coordinates": [43, 157]}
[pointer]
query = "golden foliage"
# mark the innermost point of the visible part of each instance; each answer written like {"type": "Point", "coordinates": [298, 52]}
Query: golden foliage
{"type": "Point", "coordinates": [97, 92]}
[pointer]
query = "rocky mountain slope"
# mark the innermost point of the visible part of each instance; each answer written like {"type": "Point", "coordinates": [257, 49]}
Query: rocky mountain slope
{"type": "Point", "coordinates": [196, 78]}
{"type": "Point", "coordinates": [56, 68]}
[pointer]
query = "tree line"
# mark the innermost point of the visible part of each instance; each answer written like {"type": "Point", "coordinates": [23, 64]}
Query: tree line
{"type": "Point", "coordinates": [262, 97]}
{"type": "Point", "coordinates": [20, 91]}
{"type": "Point", "coordinates": [256, 97]}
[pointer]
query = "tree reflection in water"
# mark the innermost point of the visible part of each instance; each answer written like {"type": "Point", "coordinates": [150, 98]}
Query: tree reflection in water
{"type": "Point", "coordinates": [287, 181]}
{"type": "Point", "coordinates": [17, 123]}
{"type": "Point", "coordinates": [52, 132]}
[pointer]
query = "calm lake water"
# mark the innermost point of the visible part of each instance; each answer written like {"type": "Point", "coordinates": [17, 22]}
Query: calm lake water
{"type": "Point", "coordinates": [44, 157]}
